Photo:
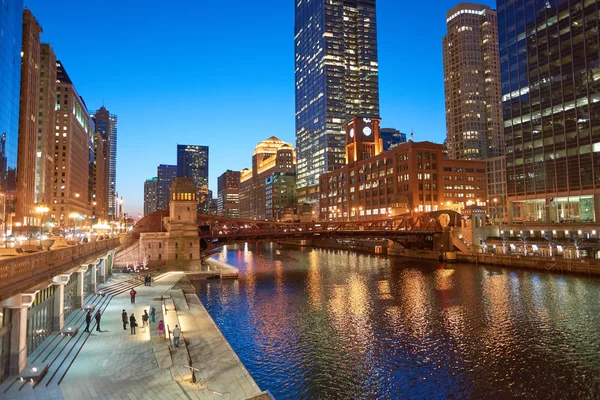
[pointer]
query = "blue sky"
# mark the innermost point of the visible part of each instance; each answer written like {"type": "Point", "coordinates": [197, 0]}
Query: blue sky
{"type": "Point", "coordinates": [221, 74]}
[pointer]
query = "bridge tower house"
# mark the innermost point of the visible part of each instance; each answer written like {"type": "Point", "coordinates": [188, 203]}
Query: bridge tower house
{"type": "Point", "coordinates": [362, 139]}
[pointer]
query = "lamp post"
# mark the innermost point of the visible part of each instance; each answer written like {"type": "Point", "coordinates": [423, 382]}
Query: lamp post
{"type": "Point", "coordinates": [75, 216]}
{"type": "Point", "coordinates": [495, 210]}
{"type": "Point", "coordinates": [41, 210]}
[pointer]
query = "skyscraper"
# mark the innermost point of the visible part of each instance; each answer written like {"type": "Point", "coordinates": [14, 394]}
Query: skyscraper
{"type": "Point", "coordinates": [10, 72]}
{"type": "Point", "coordinates": [166, 175]}
{"type": "Point", "coordinates": [192, 162]}
{"type": "Point", "coordinates": [112, 170]}
{"type": "Point", "coordinates": [228, 194]}
{"type": "Point", "coordinates": [551, 100]}
{"type": "Point", "coordinates": [472, 83]}
{"type": "Point", "coordinates": [337, 77]}
{"type": "Point", "coordinates": [391, 137]}
{"type": "Point", "coordinates": [103, 123]}
{"type": "Point", "coordinates": [150, 195]}
{"type": "Point", "coordinates": [28, 115]}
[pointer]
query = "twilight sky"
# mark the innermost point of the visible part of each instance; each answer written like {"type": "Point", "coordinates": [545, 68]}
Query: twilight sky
{"type": "Point", "coordinates": [221, 74]}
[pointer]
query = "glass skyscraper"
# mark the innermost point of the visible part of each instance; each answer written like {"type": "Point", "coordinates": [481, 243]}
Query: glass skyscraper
{"type": "Point", "coordinates": [192, 162]}
{"type": "Point", "coordinates": [550, 66]}
{"type": "Point", "coordinates": [11, 18]}
{"type": "Point", "coordinates": [337, 77]}
{"type": "Point", "coordinates": [166, 175]}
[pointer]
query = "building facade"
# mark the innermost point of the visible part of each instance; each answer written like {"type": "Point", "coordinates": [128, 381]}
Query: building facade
{"type": "Point", "coordinates": [391, 138]}
{"type": "Point", "coordinates": [28, 115]}
{"type": "Point", "coordinates": [112, 170]}
{"type": "Point", "coordinates": [551, 101]}
{"type": "Point", "coordinates": [73, 156]}
{"type": "Point", "coordinates": [280, 197]}
{"type": "Point", "coordinates": [228, 194]}
{"type": "Point", "coordinates": [270, 156]}
{"type": "Point", "coordinates": [150, 196]}
{"type": "Point", "coordinates": [412, 177]}
{"type": "Point", "coordinates": [192, 162]}
{"type": "Point", "coordinates": [497, 202]}
{"type": "Point", "coordinates": [337, 77]}
{"type": "Point", "coordinates": [165, 175]}
{"type": "Point", "coordinates": [100, 202]}
{"type": "Point", "coordinates": [472, 83]}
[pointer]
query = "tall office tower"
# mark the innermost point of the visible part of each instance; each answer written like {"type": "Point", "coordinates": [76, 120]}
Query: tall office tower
{"type": "Point", "coordinates": [192, 162]}
{"type": "Point", "coordinates": [73, 155]}
{"type": "Point", "coordinates": [228, 194]}
{"type": "Point", "coordinates": [150, 195]}
{"type": "Point", "coordinates": [103, 123]}
{"type": "Point", "coordinates": [551, 100]}
{"type": "Point", "coordinates": [113, 212]}
{"type": "Point", "coordinates": [165, 176]}
{"type": "Point", "coordinates": [28, 114]}
{"type": "Point", "coordinates": [337, 77]}
{"type": "Point", "coordinates": [472, 83]}
{"type": "Point", "coordinates": [271, 156]}
{"type": "Point", "coordinates": [11, 19]}
{"type": "Point", "coordinates": [391, 138]}
{"type": "Point", "coordinates": [44, 161]}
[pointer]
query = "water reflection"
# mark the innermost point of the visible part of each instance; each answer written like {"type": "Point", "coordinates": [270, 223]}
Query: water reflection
{"type": "Point", "coordinates": [332, 324]}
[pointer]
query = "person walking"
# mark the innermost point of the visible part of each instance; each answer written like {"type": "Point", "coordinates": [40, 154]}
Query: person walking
{"type": "Point", "coordinates": [88, 320]}
{"type": "Point", "coordinates": [145, 318]}
{"type": "Point", "coordinates": [98, 316]}
{"type": "Point", "coordinates": [153, 314]}
{"type": "Point", "coordinates": [146, 280]}
{"type": "Point", "coordinates": [161, 328]}
{"type": "Point", "coordinates": [132, 294]}
{"type": "Point", "coordinates": [176, 333]}
{"type": "Point", "coordinates": [149, 280]}
{"type": "Point", "coordinates": [132, 324]}
{"type": "Point", "coordinates": [125, 320]}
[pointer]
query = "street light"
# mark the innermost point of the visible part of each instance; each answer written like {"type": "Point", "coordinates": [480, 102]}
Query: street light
{"type": "Point", "coordinates": [495, 209]}
{"type": "Point", "coordinates": [75, 216]}
{"type": "Point", "coordinates": [41, 210]}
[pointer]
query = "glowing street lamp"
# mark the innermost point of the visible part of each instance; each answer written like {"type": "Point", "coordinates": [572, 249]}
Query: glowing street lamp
{"type": "Point", "coordinates": [75, 217]}
{"type": "Point", "coordinates": [41, 210]}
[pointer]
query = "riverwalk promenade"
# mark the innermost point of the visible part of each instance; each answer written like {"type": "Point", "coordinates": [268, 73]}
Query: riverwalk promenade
{"type": "Point", "coordinates": [114, 364]}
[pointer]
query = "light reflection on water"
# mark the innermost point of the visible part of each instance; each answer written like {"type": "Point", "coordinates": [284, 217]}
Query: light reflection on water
{"type": "Point", "coordinates": [333, 324]}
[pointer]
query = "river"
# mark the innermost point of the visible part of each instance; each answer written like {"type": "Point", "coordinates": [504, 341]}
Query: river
{"type": "Point", "coordinates": [325, 324]}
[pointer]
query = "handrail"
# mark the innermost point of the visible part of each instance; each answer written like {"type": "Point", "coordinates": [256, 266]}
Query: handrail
{"type": "Point", "coordinates": [228, 394]}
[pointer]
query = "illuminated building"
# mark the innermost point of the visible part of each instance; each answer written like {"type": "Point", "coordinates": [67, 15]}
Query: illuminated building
{"type": "Point", "coordinates": [102, 145]}
{"type": "Point", "coordinates": [166, 175]}
{"type": "Point", "coordinates": [551, 103]}
{"type": "Point", "coordinates": [112, 170]}
{"type": "Point", "coordinates": [412, 177]}
{"type": "Point", "coordinates": [271, 156]}
{"type": "Point", "coordinates": [228, 192]}
{"type": "Point", "coordinates": [73, 153]}
{"type": "Point", "coordinates": [391, 138]}
{"type": "Point", "coordinates": [150, 196]}
{"type": "Point", "coordinates": [472, 83]}
{"type": "Point", "coordinates": [337, 77]}
{"type": "Point", "coordinates": [192, 162]}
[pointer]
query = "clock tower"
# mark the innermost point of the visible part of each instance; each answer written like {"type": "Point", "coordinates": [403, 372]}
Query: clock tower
{"type": "Point", "coordinates": [362, 138]}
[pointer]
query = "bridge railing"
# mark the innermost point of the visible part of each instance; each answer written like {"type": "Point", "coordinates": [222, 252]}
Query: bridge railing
{"type": "Point", "coordinates": [21, 268]}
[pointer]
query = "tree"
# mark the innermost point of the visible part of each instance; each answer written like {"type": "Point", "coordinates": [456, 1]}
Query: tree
{"type": "Point", "coordinates": [548, 237]}
{"type": "Point", "coordinates": [524, 239]}
{"type": "Point", "coordinates": [504, 241]}
{"type": "Point", "coordinates": [576, 242]}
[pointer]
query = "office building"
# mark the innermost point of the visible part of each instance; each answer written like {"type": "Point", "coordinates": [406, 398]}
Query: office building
{"type": "Point", "coordinates": [551, 102]}
{"type": "Point", "coordinates": [497, 204]}
{"type": "Point", "coordinates": [228, 194]}
{"type": "Point", "coordinates": [270, 156]}
{"type": "Point", "coordinates": [472, 83]}
{"type": "Point", "coordinates": [391, 138]}
{"type": "Point", "coordinates": [11, 19]}
{"type": "Point", "coordinates": [337, 77]}
{"type": "Point", "coordinates": [44, 161]}
{"type": "Point", "coordinates": [103, 122]}
{"type": "Point", "coordinates": [412, 177]}
{"type": "Point", "coordinates": [280, 197]}
{"type": "Point", "coordinates": [28, 115]}
{"type": "Point", "coordinates": [165, 176]}
{"type": "Point", "coordinates": [192, 162]}
{"type": "Point", "coordinates": [150, 196]}
{"type": "Point", "coordinates": [112, 170]}
{"type": "Point", "coordinates": [73, 155]}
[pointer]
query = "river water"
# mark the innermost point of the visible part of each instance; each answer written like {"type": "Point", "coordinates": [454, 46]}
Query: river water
{"type": "Point", "coordinates": [325, 324]}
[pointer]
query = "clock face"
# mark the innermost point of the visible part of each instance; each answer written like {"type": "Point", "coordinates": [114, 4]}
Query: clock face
{"type": "Point", "coordinates": [351, 132]}
{"type": "Point", "coordinates": [367, 131]}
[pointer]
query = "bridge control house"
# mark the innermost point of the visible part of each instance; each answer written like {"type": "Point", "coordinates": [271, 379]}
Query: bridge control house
{"type": "Point", "coordinates": [412, 177]}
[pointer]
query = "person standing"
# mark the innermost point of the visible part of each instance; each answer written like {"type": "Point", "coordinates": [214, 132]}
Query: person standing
{"type": "Point", "coordinates": [146, 280]}
{"type": "Point", "coordinates": [153, 314]}
{"type": "Point", "coordinates": [132, 294]}
{"type": "Point", "coordinates": [98, 316]}
{"type": "Point", "coordinates": [125, 320]}
{"type": "Point", "coordinates": [149, 280]}
{"type": "Point", "coordinates": [132, 324]}
{"type": "Point", "coordinates": [145, 318]}
{"type": "Point", "coordinates": [176, 333]}
{"type": "Point", "coordinates": [161, 328]}
{"type": "Point", "coordinates": [88, 320]}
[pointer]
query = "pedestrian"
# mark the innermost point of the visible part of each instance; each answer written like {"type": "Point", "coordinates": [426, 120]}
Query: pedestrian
{"type": "Point", "coordinates": [146, 280]}
{"type": "Point", "coordinates": [153, 314]}
{"type": "Point", "coordinates": [88, 320]}
{"type": "Point", "coordinates": [149, 280]}
{"type": "Point", "coordinates": [145, 318]}
{"type": "Point", "coordinates": [98, 316]}
{"type": "Point", "coordinates": [125, 320]}
{"type": "Point", "coordinates": [132, 324]}
{"type": "Point", "coordinates": [176, 333]}
{"type": "Point", "coordinates": [161, 328]}
{"type": "Point", "coordinates": [132, 293]}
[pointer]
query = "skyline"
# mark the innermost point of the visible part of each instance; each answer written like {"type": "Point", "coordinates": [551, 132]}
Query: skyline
{"type": "Point", "coordinates": [244, 98]}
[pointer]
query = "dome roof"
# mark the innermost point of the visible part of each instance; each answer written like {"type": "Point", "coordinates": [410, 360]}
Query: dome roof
{"type": "Point", "coordinates": [183, 185]}
{"type": "Point", "coordinates": [270, 146]}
